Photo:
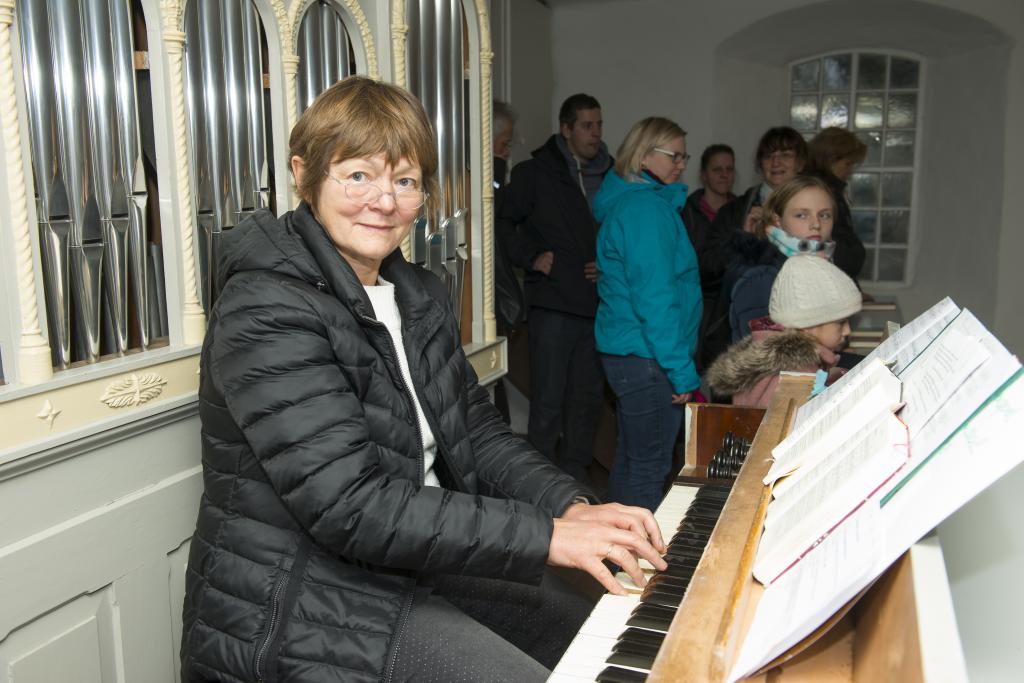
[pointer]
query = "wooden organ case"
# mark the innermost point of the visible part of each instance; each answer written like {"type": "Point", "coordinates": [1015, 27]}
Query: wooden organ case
{"type": "Point", "coordinates": [900, 629]}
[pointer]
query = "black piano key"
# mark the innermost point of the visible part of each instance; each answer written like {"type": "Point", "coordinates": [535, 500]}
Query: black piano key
{"type": "Point", "coordinates": [689, 538]}
{"type": "Point", "coordinates": [682, 551]}
{"type": "Point", "coordinates": [663, 597]}
{"type": "Point", "coordinates": [654, 610]}
{"type": "Point", "coordinates": [635, 659]}
{"type": "Point", "coordinates": [679, 571]}
{"type": "Point", "coordinates": [614, 674]}
{"type": "Point", "coordinates": [632, 647]}
{"type": "Point", "coordinates": [649, 622]}
{"type": "Point", "coordinates": [643, 636]}
{"type": "Point", "coordinates": [669, 580]}
{"type": "Point", "coordinates": [662, 590]}
{"type": "Point", "coordinates": [681, 568]}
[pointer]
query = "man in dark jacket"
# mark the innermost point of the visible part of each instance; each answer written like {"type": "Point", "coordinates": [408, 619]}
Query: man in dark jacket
{"type": "Point", "coordinates": [548, 229]}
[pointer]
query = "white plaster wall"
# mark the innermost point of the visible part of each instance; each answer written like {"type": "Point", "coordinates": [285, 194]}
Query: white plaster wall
{"type": "Point", "coordinates": [530, 83]}
{"type": "Point", "coordinates": [960, 184]}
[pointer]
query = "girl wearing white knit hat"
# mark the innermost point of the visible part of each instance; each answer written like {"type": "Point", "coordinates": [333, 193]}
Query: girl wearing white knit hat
{"type": "Point", "coordinates": [810, 304]}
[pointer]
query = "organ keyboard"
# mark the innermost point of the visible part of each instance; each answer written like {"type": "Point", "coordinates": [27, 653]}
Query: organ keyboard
{"type": "Point", "coordinates": [660, 634]}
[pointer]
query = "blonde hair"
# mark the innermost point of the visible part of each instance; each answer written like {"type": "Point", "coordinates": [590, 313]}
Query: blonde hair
{"type": "Point", "coordinates": [776, 203]}
{"type": "Point", "coordinates": [654, 131]}
{"type": "Point", "coordinates": [360, 117]}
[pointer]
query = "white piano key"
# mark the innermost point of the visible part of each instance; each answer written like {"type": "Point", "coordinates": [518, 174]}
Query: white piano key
{"type": "Point", "coordinates": [588, 651]}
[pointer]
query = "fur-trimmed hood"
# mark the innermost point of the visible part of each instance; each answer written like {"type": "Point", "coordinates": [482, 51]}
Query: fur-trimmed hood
{"type": "Point", "coordinates": [750, 360]}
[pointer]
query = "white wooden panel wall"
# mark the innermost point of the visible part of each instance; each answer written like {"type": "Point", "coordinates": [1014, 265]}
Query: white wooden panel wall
{"type": "Point", "coordinates": [92, 556]}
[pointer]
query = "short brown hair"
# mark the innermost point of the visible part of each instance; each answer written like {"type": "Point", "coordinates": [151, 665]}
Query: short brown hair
{"type": "Point", "coordinates": [643, 137]}
{"type": "Point", "coordinates": [361, 117]}
{"type": "Point", "coordinates": [832, 145]}
{"type": "Point", "coordinates": [776, 203]}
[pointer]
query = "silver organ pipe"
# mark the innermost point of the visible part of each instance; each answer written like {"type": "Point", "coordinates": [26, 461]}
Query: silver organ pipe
{"type": "Point", "coordinates": [441, 103]}
{"type": "Point", "coordinates": [86, 250]}
{"type": "Point", "coordinates": [51, 193]}
{"type": "Point", "coordinates": [324, 50]}
{"type": "Point", "coordinates": [133, 174]}
{"type": "Point", "coordinates": [254, 108]}
{"type": "Point", "coordinates": [224, 83]}
{"type": "Point", "coordinates": [110, 190]}
{"type": "Point", "coordinates": [436, 76]}
{"type": "Point", "coordinates": [78, 62]}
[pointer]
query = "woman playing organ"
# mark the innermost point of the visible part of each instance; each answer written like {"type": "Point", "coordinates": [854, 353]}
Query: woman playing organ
{"type": "Point", "coordinates": [367, 515]}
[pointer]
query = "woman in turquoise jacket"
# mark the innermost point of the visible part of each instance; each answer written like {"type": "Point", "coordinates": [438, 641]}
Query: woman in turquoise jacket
{"type": "Point", "coordinates": [650, 305]}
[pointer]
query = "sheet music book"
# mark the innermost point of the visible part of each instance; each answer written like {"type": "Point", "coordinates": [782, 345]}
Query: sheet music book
{"type": "Point", "coordinates": [964, 343]}
{"type": "Point", "coordinates": [850, 411]}
{"type": "Point", "coordinates": [964, 411]}
{"type": "Point", "coordinates": [819, 497]}
{"type": "Point", "coordinates": [902, 346]}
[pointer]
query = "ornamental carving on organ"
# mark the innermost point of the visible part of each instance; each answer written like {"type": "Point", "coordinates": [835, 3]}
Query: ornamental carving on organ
{"type": "Point", "coordinates": [134, 390]}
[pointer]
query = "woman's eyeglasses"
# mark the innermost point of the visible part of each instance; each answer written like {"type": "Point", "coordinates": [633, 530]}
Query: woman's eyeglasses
{"type": "Point", "coordinates": [676, 157]}
{"type": "Point", "coordinates": [406, 198]}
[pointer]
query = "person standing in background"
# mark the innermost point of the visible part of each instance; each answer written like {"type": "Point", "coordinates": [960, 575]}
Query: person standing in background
{"type": "Point", "coordinates": [650, 307]}
{"type": "Point", "coordinates": [549, 230]}
{"type": "Point", "coordinates": [509, 306]}
{"type": "Point", "coordinates": [717, 176]}
{"type": "Point", "coordinates": [833, 154]}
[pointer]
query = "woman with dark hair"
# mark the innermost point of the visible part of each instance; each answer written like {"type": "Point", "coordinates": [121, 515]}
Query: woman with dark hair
{"type": "Point", "coordinates": [649, 311]}
{"type": "Point", "coordinates": [833, 154]}
{"type": "Point", "coordinates": [367, 515]}
{"type": "Point", "coordinates": [780, 157]}
{"type": "Point", "coordinates": [717, 175]}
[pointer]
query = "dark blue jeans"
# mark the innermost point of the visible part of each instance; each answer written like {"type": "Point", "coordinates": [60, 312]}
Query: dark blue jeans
{"type": "Point", "coordinates": [566, 388]}
{"type": "Point", "coordinates": [648, 424]}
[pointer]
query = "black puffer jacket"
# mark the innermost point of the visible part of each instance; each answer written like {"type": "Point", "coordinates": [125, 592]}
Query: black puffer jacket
{"type": "Point", "coordinates": [314, 527]}
{"type": "Point", "coordinates": [544, 209]}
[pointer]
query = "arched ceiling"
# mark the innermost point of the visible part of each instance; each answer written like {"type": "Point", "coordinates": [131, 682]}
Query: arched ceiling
{"type": "Point", "coordinates": [920, 27]}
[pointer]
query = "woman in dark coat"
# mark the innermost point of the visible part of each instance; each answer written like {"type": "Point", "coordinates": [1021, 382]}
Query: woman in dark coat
{"type": "Point", "coordinates": [366, 515]}
{"type": "Point", "coordinates": [833, 154]}
{"type": "Point", "coordinates": [717, 175]}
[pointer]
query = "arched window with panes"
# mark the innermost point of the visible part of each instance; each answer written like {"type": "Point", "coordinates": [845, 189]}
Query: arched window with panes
{"type": "Point", "coordinates": [876, 95]}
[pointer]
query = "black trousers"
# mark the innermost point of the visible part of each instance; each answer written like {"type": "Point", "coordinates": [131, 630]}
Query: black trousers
{"type": "Point", "coordinates": [566, 388]}
{"type": "Point", "coordinates": [474, 630]}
